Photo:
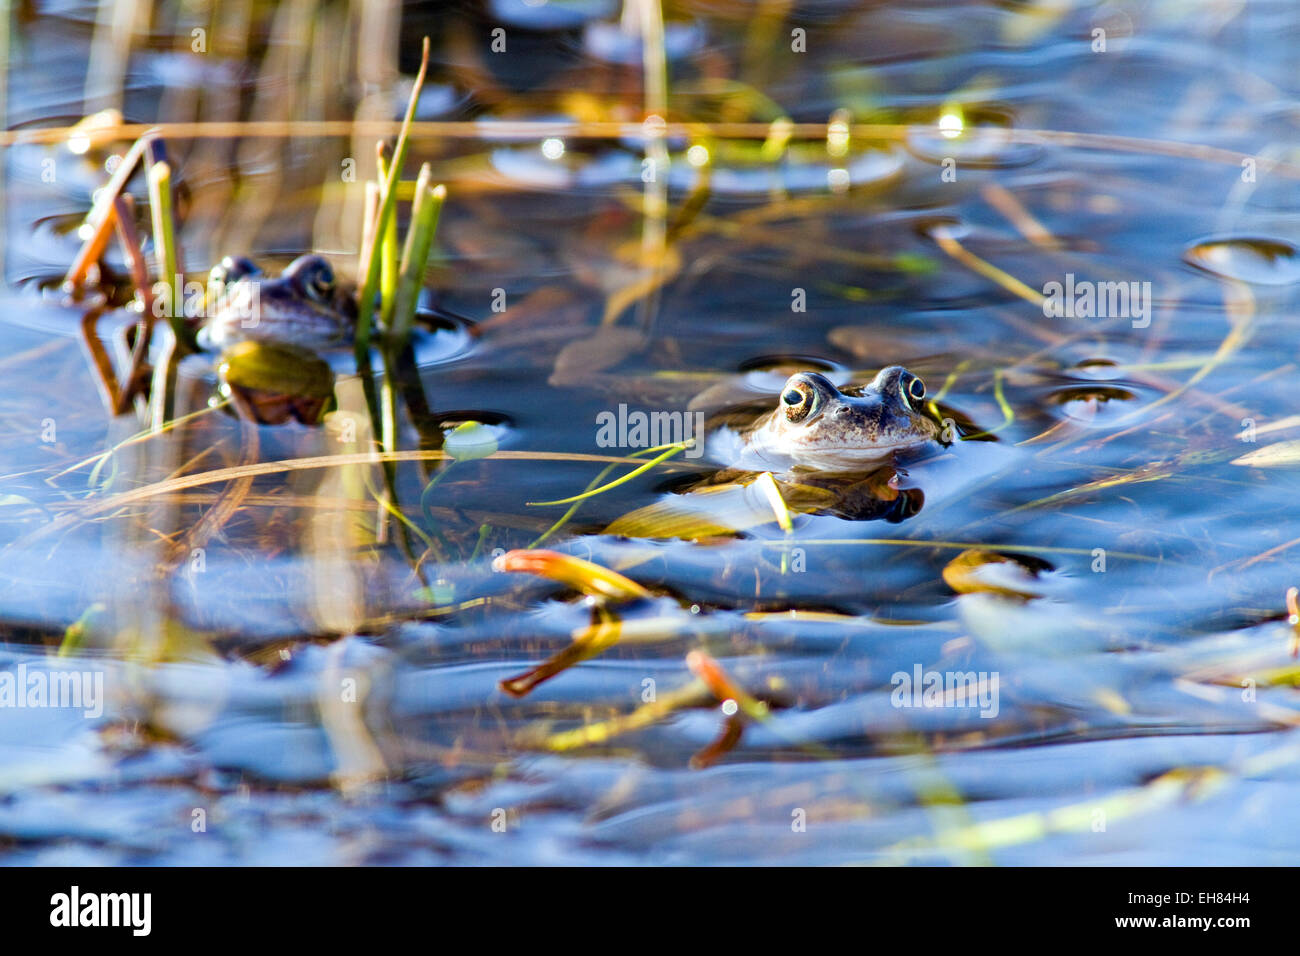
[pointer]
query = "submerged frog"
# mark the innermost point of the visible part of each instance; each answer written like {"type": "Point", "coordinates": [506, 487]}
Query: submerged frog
{"type": "Point", "coordinates": [816, 424]}
{"type": "Point", "coordinates": [304, 306]}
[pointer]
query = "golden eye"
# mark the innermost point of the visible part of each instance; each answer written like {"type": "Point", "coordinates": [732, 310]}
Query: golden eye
{"type": "Point", "coordinates": [799, 401]}
{"type": "Point", "coordinates": [916, 389]}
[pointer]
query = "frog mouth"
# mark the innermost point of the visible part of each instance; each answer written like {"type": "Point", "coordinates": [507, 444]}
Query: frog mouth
{"type": "Point", "coordinates": [826, 456]}
{"type": "Point", "coordinates": [857, 451]}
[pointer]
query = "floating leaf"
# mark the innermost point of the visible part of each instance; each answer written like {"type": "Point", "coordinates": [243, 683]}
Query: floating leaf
{"type": "Point", "coordinates": [470, 440]}
{"type": "Point", "coordinates": [584, 576]}
{"type": "Point", "coordinates": [439, 594]}
{"type": "Point", "coordinates": [767, 485]}
{"type": "Point", "coordinates": [1283, 454]}
{"type": "Point", "coordinates": [975, 571]}
{"type": "Point", "coordinates": [719, 511]}
{"type": "Point", "coordinates": [604, 632]}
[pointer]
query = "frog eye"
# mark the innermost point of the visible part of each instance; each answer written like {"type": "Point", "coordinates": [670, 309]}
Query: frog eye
{"type": "Point", "coordinates": [231, 269]}
{"type": "Point", "coordinates": [313, 275]}
{"type": "Point", "coordinates": [798, 401]}
{"type": "Point", "coordinates": [910, 388]}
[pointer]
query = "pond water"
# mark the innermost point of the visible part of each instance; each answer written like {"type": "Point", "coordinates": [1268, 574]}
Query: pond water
{"type": "Point", "coordinates": [1076, 222]}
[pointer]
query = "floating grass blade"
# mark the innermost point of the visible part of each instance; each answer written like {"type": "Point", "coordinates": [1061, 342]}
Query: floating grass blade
{"type": "Point", "coordinates": [1003, 832]}
{"type": "Point", "coordinates": [102, 505]}
{"type": "Point", "coordinates": [561, 521]}
{"type": "Point", "coordinates": [672, 450]}
{"type": "Point", "coordinates": [946, 241]}
{"type": "Point", "coordinates": [1008, 413]}
{"type": "Point", "coordinates": [97, 461]}
{"type": "Point", "coordinates": [692, 695]}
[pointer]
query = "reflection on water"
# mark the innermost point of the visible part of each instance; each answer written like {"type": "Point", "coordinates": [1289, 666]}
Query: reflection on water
{"type": "Point", "coordinates": [1110, 535]}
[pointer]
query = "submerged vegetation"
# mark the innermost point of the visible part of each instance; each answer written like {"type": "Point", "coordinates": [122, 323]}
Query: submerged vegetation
{"type": "Point", "coordinates": [1045, 600]}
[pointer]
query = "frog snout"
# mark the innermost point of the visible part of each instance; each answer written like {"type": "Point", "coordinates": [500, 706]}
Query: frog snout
{"type": "Point", "coordinates": [851, 414]}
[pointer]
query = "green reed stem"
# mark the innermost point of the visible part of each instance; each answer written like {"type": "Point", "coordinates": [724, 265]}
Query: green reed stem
{"type": "Point", "coordinates": [370, 270]}
{"type": "Point", "coordinates": [388, 259]}
{"type": "Point", "coordinates": [415, 258]}
{"type": "Point", "coordinates": [379, 273]}
{"type": "Point", "coordinates": [164, 230]}
{"type": "Point", "coordinates": [75, 636]}
{"type": "Point", "coordinates": [483, 531]}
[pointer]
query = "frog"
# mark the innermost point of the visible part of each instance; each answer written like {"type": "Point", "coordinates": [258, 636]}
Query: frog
{"type": "Point", "coordinates": [818, 426]}
{"type": "Point", "coordinates": [828, 451]}
{"type": "Point", "coordinates": [264, 337]}
{"type": "Point", "coordinates": [304, 306]}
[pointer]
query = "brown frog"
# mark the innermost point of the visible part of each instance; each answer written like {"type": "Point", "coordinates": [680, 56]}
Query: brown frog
{"type": "Point", "coordinates": [304, 306]}
{"type": "Point", "coordinates": [818, 425]}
